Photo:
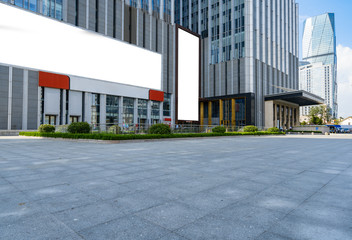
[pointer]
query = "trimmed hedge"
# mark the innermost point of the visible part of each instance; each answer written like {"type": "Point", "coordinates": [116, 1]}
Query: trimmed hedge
{"type": "Point", "coordinates": [107, 136]}
{"type": "Point", "coordinates": [79, 127]}
{"type": "Point", "coordinates": [250, 128]}
{"type": "Point", "coordinates": [219, 129]}
{"type": "Point", "coordinates": [46, 128]}
{"type": "Point", "coordinates": [274, 130]}
{"type": "Point", "coordinates": [160, 128]}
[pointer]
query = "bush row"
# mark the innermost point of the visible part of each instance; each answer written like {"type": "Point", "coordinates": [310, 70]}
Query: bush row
{"type": "Point", "coordinates": [107, 136]}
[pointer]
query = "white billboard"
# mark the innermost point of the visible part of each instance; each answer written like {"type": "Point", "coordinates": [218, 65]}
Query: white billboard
{"type": "Point", "coordinates": [33, 41]}
{"type": "Point", "coordinates": [188, 76]}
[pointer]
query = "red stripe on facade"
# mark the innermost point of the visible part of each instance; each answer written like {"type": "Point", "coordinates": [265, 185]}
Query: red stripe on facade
{"type": "Point", "coordinates": [53, 80]}
{"type": "Point", "coordinates": [156, 95]}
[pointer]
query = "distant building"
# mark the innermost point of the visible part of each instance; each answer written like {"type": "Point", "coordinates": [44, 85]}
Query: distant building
{"type": "Point", "coordinates": [346, 121]}
{"type": "Point", "coordinates": [317, 78]}
{"type": "Point", "coordinates": [318, 69]}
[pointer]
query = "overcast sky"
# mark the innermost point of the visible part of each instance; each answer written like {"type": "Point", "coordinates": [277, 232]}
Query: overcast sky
{"type": "Point", "coordinates": [343, 21]}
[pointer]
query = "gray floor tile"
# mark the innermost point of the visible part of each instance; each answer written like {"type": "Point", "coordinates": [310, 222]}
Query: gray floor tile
{"type": "Point", "coordinates": [130, 227]}
{"type": "Point", "coordinates": [171, 215]}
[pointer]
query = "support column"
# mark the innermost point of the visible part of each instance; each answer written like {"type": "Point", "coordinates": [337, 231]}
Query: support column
{"type": "Point", "coordinates": [202, 113]}
{"type": "Point", "coordinates": [161, 113]}
{"type": "Point", "coordinates": [209, 112]}
{"type": "Point", "coordinates": [221, 110]}
{"type": "Point", "coordinates": [25, 100]}
{"type": "Point", "coordinates": [102, 114]}
{"type": "Point", "coordinates": [233, 115]}
{"type": "Point", "coordinates": [135, 111]}
{"type": "Point", "coordinates": [9, 105]}
{"type": "Point", "coordinates": [120, 111]}
{"type": "Point", "coordinates": [149, 112]}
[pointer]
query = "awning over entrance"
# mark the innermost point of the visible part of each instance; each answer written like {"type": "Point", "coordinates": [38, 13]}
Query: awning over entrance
{"type": "Point", "coordinates": [300, 97]}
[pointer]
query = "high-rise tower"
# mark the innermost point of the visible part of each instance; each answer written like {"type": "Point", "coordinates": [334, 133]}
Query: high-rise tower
{"type": "Point", "coordinates": [318, 72]}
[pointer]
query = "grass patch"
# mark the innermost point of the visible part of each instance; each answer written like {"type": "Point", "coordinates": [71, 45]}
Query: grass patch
{"type": "Point", "coordinates": [109, 136]}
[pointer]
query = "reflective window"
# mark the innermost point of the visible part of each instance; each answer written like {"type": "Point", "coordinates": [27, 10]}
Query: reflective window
{"type": "Point", "coordinates": [142, 111]}
{"type": "Point", "coordinates": [155, 113]}
{"type": "Point", "coordinates": [128, 110]}
{"type": "Point", "coordinates": [167, 105]}
{"type": "Point", "coordinates": [112, 110]}
{"type": "Point", "coordinates": [240, 109]}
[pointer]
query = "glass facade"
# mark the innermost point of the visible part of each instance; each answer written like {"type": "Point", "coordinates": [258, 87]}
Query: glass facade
{"type": "Point", "coordinates": [155, 113]}
{"type": "Point", "coordinates": [318, 73]}
{"type": "Point", "coordinates": [167, 105]}
{"type": "Point", "coordinates": [142, 111]}
{"type": "Point", "coordinates": [112, 110]}
{"type": "Point", "coordinates": [50, 8]}
{"type": "Point", "coordinates": [128, 110]}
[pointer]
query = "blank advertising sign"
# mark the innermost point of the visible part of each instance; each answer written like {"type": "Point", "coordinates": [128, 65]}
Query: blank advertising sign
{"type": "Point", "coordinates": [37, 42]}
{"type": "Point", "coordinates": [187, 76]}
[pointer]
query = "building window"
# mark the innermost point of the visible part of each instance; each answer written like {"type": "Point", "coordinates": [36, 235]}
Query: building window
{"type": "Point", "coordinates": [95, 109]}
{"type": "Point", "coordinates": [112, 110]}
{"type": "Point", "coordinates": [240, 109]}
{"type": "Point", "coordinates": [128, 110]}
{"type": "Point", "coordinates": [155, 116]}
{"type": "Point", "coordinates": [74, 119]}
{"type": "Point", "coordinates": [215, 109]}
{"type": "Point", "coordinates": [167, 105]}
{"type": "Point", "coordinates": [50, 119]}
{"type": "Point", "coordinates": [142, 111]}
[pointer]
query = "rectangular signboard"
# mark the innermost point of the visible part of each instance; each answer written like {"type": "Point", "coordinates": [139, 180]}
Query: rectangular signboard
{"type": "Point", "coordinates": [37, 42]}
{"type": "Point", "coordinates": [188, 75]}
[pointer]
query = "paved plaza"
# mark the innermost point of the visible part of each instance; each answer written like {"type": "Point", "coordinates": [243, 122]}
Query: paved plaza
{"type": "Point", "coordinates": [287, 187]}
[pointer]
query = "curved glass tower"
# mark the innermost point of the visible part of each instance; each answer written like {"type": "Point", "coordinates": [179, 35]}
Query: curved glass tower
{"type": "Point", "coordinates": [319, 51]}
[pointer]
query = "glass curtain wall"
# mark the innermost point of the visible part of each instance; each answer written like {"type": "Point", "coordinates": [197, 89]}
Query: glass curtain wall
{"type": "Point", "coordinates": [155, 114]}
{"type": "Point", "coordinates": [112, 110]}
{"type": "Point", "coordinates": [128, 110]}
{"type": "Point", "coordinates": [142, 111]}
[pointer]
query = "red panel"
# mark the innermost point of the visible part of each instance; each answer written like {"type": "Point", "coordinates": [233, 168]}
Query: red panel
{"type": "Point", "coordinates": [167, 119]}
{"type": "Point", "coordinates": [156, 95]}
{"type": "Point", "coordinates": [53, 80]}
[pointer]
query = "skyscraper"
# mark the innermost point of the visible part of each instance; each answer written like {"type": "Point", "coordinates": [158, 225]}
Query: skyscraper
{"type": "Point", "coordinates": [319, 70]}
{"type": "Point", "coordinates": [248, 58]}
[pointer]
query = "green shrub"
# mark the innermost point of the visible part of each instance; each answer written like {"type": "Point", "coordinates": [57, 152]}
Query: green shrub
{"type": "Point", "coordinates": [114, 129]}
{"type": "Point", "coordinates": [250, 128]}
{"type": "Point", "coordinates": [79, 127]}
{"type": "Point", "coordinates": [160, 128]}
{"type": "Point", "coordinates": [273, 130]}
{"type": "Point", "coordinates": [219, 129]}
{"type": "Point", "coordinates": [46, 128]}
{"type": "Point", "coordinates": [107, 136]}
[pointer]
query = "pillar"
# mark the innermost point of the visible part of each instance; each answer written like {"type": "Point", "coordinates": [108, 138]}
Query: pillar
{"type": "Point", "coordinates": [9, 102]}
{"type": "Point", "coordinates": [202, 113]}
{"type": "Point", "coordinates": [209, 113]}
{"type": "Point", "coordinates": [233, 115]}
{"type": "Point", "coordinates": [25, 100]}
{"type": "Point", "coordinates": [221, 110]}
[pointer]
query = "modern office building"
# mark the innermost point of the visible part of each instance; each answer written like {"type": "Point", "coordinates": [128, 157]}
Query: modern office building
{"type": "Point", "coordinates": [319, 70]}
{"type": "Point", "coordinates": [248, 63]}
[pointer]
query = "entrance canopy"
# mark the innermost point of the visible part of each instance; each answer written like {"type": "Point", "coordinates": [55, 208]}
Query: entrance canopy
{"type": "Point", "coordinates": [300, 97]}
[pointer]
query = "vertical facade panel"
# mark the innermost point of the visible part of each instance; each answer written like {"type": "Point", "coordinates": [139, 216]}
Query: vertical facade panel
{"type": "Point", "coordinates": [71, 12]}
{"type": "Point", "coordinates": [17, 99]}
{"type": "Point", "coordinates": [110, 18]}
{"type": "Point", "coordinates": [33, 79]}
{"type": "Point", "coordinates": [82, 13]}
{"type": "Point", "coordinates": [119, 21]}
{"type": "Point", "coordinates": [4, 94]}
{"type": "Point", "coordinates": [101, 16]}
{"type": "Point", "coordinates": [92, 15]}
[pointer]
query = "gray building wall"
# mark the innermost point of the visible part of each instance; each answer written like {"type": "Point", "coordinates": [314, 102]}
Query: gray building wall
{"type": "Point", "coordinates": [17, 99]}
{"type": "Point", "coordinates": [4, 95]}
